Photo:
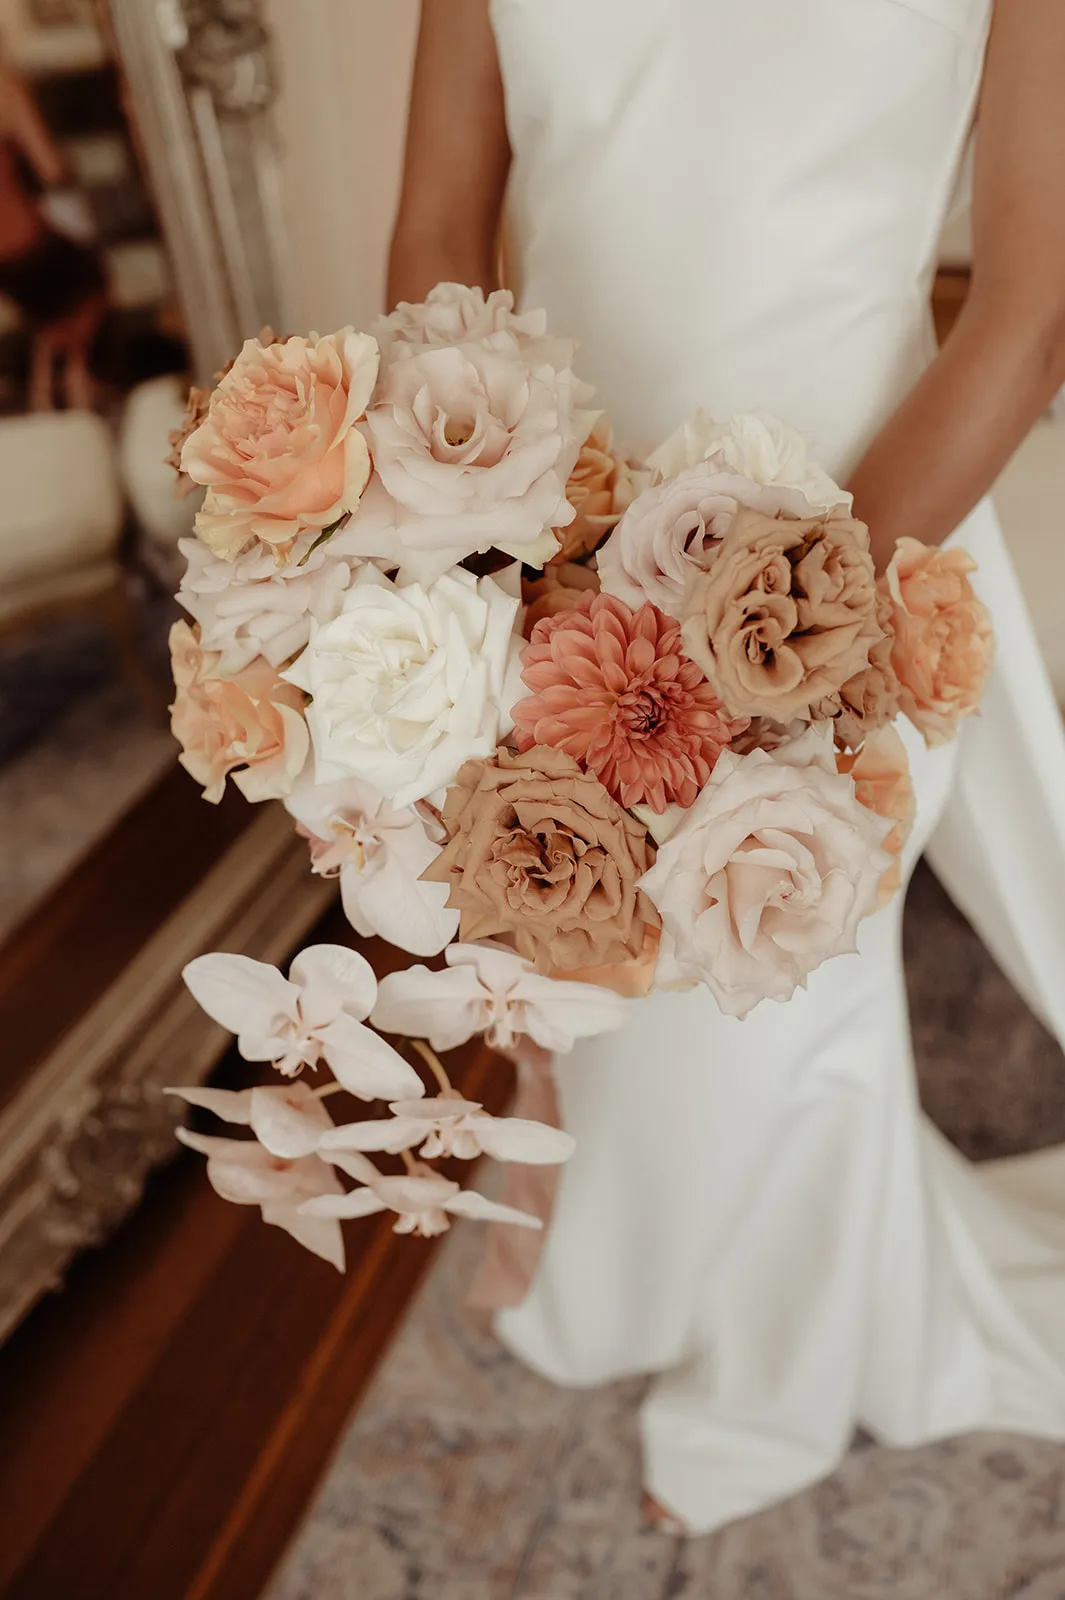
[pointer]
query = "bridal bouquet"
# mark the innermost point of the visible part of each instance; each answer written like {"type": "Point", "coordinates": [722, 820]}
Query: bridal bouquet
{"type": "Point", "coordinates": [582, 723]}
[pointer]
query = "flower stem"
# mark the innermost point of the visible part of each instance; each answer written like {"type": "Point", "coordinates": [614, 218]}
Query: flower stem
{"type": "Point", "coordinates": [327, 1088]}
{"type": "Point", "coordinates": [409, 1161]}
{"type": "Point", "coordinates": [433, 1062]}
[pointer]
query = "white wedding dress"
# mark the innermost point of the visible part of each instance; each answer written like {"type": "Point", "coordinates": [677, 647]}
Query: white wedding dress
{"type": "Point", "coordinates": [736, 204]}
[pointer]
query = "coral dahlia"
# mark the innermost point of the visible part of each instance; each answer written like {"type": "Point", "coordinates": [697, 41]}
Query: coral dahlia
{"type": "Point", "coordinates": [612, 689]}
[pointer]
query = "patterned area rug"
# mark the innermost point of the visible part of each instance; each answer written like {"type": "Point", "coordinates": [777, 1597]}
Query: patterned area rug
{"type": "Point", "coordinates": [76, 750]}
{"type": "Point", "coordinates": [464, 1477]}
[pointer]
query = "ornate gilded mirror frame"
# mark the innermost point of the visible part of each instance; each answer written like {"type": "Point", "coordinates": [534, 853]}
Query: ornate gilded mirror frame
{"type": "Point", "coordinates": [95, 1017]}
{"type": "Point", "coordinates": [201, 79]}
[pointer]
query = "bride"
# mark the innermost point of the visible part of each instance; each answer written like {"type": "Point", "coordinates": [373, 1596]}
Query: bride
{"type": "Point", "coordinates": [736, 204]}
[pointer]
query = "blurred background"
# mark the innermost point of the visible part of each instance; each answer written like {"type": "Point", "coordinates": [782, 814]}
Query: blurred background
{"type": "Point", "coordinates": [174, 175]}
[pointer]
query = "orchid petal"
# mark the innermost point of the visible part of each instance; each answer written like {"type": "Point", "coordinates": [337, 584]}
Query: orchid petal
{"type": "Point", "coordinates": [355, 1165]}
{"type": "Point", "coordinates": [392, 1134]}
{"type": "Point", "coordinates": [230, 1105]}
{"type": "Point", "coordinates": [516, 1139]}
{"type": "Point", "coordinates": [243, 995]}
{"type": "Point", "coordinates": [444, 1007]}
{"type": "Point", "coordinates": [333, 979]}
{"type": "Point", "coordinates": [210, 1145]}
{"type": "Point", "coordinates": [468, 1203]}
{"type": "Point", "coordinates": [356, 1203]}
{"type": "Point", "coordinates": [320, 1235]}
{"type": "Point", "coordinates": [410, 914]}
{"type": "Point", "coordinates": [288, 1122]}
{"type": "Point", "coordinates": [415, 1192]}
{"type": "Point", "coordinates": [366, 1066]}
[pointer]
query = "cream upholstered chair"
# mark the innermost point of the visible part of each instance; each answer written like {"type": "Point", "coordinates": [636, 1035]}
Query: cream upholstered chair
{"type": "Point", "coordinates": [61, 518]}
{"type": "Point", "coordinates": [153, 411]}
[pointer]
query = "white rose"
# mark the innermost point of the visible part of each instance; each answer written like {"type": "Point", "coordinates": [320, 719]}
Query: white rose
{"type": "Point", "coordinates": [768, 874]}
{"type": "Point", "coordinates": [409, 682]}
{"type": "Point", "coordinates": [257, 605]}
{"type": "Point", "coordinates": [475, 445]}
{"type": "Point", "coordinates": [756, 446]}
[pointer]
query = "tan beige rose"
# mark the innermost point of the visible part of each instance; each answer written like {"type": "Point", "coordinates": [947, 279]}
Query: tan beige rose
{"type": "Point", "coordinates": [883, 784]}
{"type": "Point", "coordinates": [560, 588]}
{"type": "Point", "coordinates": [633, 979]}
{"type": "Point", "coordinates": [278, 448]}
{"type": "Point", "coordinates": [601, 487]}
{"type": "Point", "coordinates": [870, 699]}
{"type": "Point", "coordinates": [944, 642]}
{"type": "Point", "coordinates": [539, 851]}
{"type": "Point", "coordinates": [249, 726]}
{"type": "Point", "coordinates": [786, 613]}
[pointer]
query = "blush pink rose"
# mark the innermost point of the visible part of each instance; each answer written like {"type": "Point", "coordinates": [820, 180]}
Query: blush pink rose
{"type": "Point", "coordinates": [454, 314]}
{"type": "Point", "coordinates": [278, 449]}
{"type": "Point", "coordinates": [883, 784]}
{"type": "Point", "coordinates": [249, 726]}
{"type": "Point", "coordinates": [767, 876]}
{"type": "Point", "coordinates": [474, 447]}
{"type": "Point", "coordinates": [944, 642]}
{"type": "Point", "coordinates": [670, 533]}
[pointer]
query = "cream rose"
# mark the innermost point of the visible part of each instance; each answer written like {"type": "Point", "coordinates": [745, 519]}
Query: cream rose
{"type": "Point", "coordinates": [670, 533]}
{"type": "Point", "coordinates": [944, 642]}
{"type": "Point", "coordinates": [453, 314]}
{"type": "Point", "coordinates": [278, 450]}
{"type": "Point", "coordinates": [474, 445]}
{"type": "Point", "coordinates": [408, 683]}
{"type": "Point", "coordinates": [753, 445]}
{"type": "Point", "coordinates": [249, 726]}
{"type": "Point", "coordinates": [251, 606]}
{"type": "Point", "coordinates": [767, 876]}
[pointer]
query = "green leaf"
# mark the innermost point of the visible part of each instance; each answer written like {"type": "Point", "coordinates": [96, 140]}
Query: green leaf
{"type": "Point", "coordinates": [326, 533]}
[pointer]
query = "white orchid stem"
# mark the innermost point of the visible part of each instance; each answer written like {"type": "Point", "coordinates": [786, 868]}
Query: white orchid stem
{"type": "Point", "coordinates": [433, 1062]}
{"type": "Point", "coordinates": [409, 1161]}
{"type": "Point", "coordinates": [327, 1088]}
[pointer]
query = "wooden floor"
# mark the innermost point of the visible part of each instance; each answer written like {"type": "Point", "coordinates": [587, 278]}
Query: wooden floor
{"type": "Point", "coordinates": [164, 1419]}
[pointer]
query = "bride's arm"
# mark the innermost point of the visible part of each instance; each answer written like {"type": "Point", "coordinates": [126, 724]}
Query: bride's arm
{"type": "Point", "coordinates": [457, 156]}
{"type": "Point", "coordinates": [1005, 359]}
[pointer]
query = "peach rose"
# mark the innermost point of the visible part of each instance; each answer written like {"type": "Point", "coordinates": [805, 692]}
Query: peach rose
{"type": "Point", "coordinates": [562, 587]}
{"type": "Point", "coordinates": [538, 850]}
{"type": "Point", "coordinates": [250, 725]}
{"type": "Point", "coordinates": [601, 487]}
{"type": "Point", "coordinates": [786, 613]}
{"type": "Point", "coordinates": [870, 699]}
{"type": "Point", "coordinates": [767, 876]}
{"type": "Point", "coordinates": [944, 642]}
{"type": "Point", "coordinates": [278, 449]}
{"type": "Point", "coordinates": [883, 784]}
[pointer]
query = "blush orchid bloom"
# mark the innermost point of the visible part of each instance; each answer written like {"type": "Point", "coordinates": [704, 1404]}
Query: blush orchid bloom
{"type": "Point", "coordinates": [487, 988]}
{"type": "Point", "coordinates": [451, 1126]}
{"type": "Point", "coordinates": [288, 1119]}
{"type": "Point", "coordinates": [422, 1199]}
{"type": "Point", "coordinates": [247, 1173]}
{"type": "Point", "coordinates": [316, 1013]}
{"type": "Point", "coordinates": [379, 853]}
